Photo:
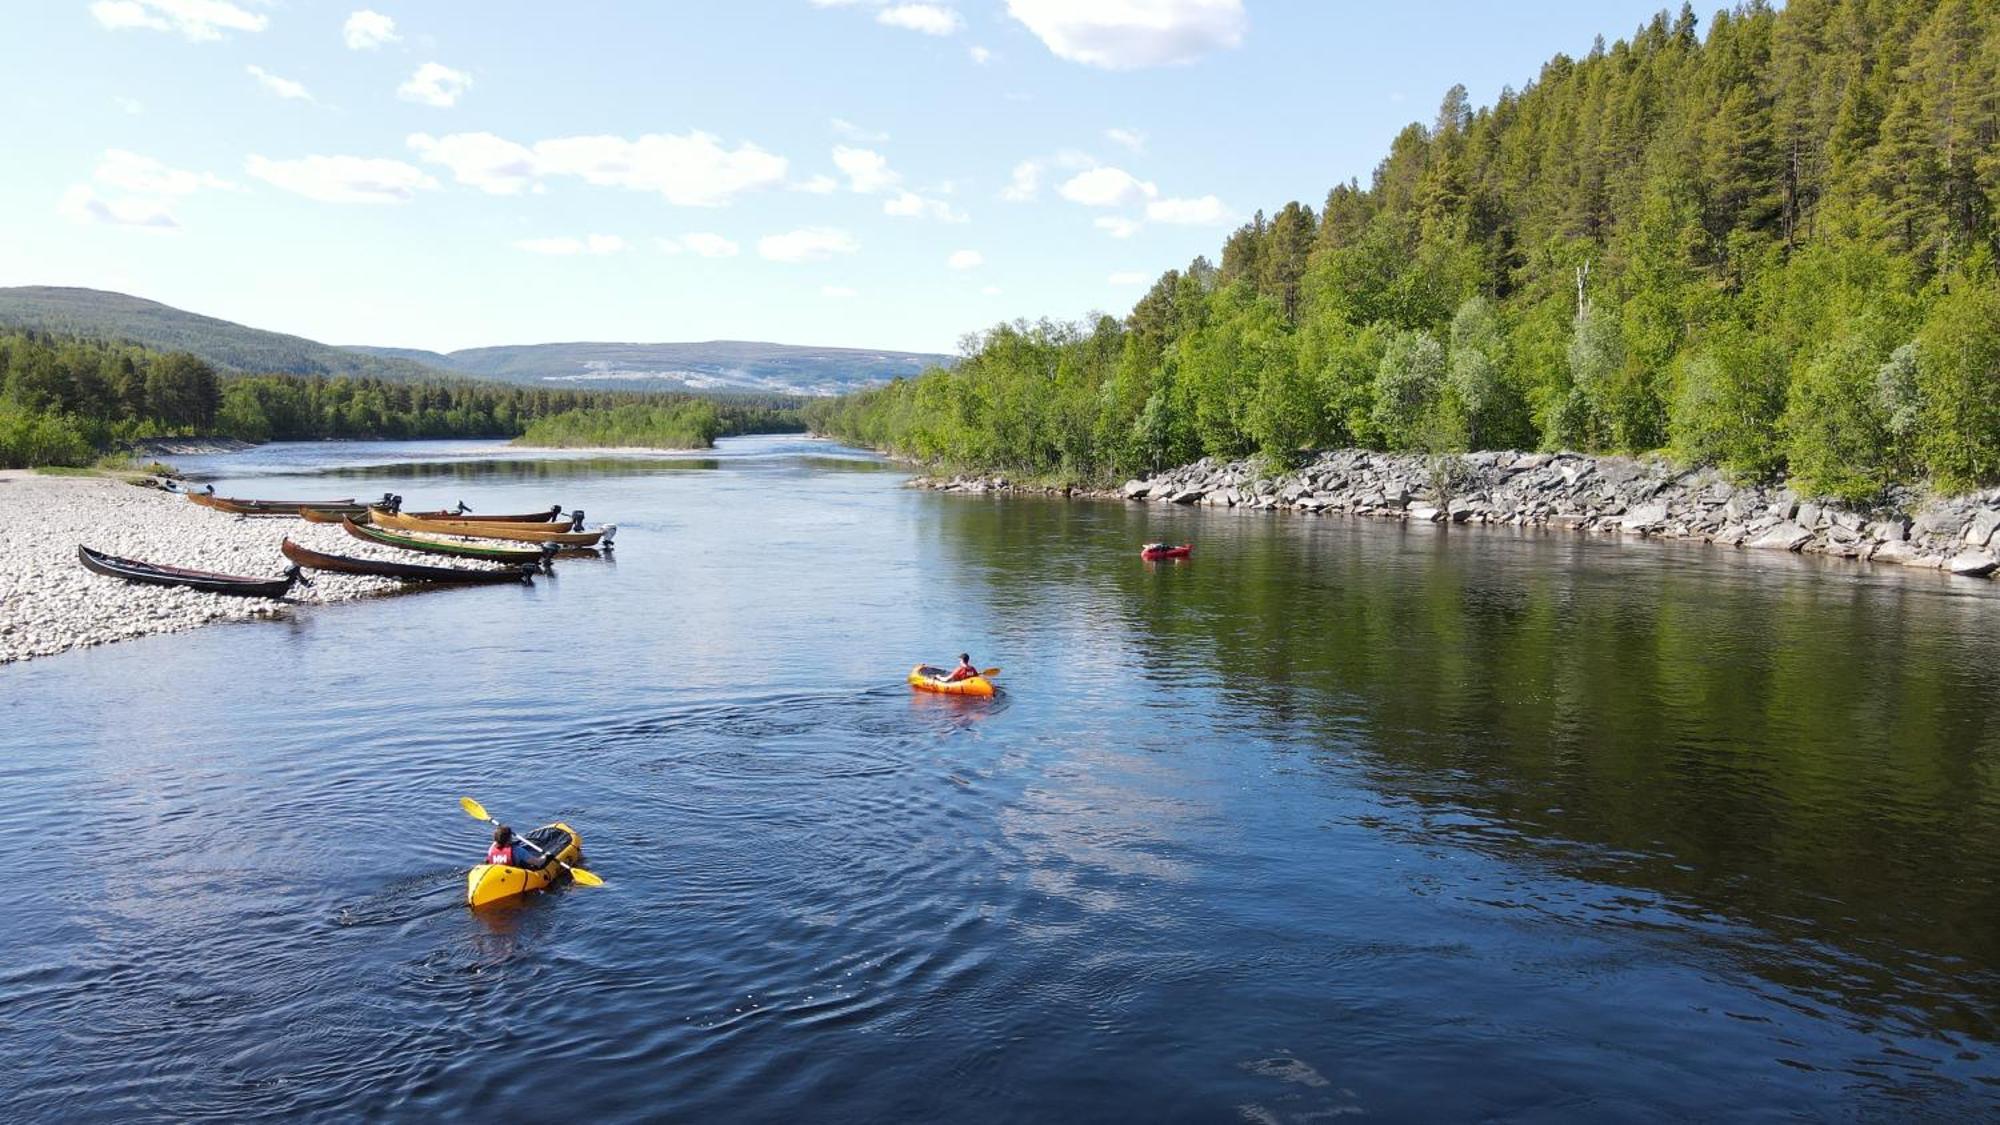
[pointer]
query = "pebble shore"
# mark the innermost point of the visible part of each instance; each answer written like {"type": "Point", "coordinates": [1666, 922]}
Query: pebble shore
{"type": "Point", "coordinates": [1568, 491]}
{"type": "Point", "coordinates": [49, 603]}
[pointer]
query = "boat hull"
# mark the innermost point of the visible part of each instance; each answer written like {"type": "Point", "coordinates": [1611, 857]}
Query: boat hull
{"type": "Point", "coordinates": [489, 883]}
{"type": "Point", "coordinates": [519, 533]}
{"type": "Point", "coordinates": [408, 572]}
{"type": "Point", "coordinates": [925, 678]}
{"type": "Point", "coordinates": [532, 556]}
{"type": "Point", "coordinates": [1180, 552]}
{"type": "Point", "coordinates": [468, 516]}
{"type": "Point", "coordinates": [208, 582]}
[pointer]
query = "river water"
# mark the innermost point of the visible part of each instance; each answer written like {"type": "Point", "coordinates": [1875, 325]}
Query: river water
{"type": "Point", "coordinates": [1338, 817]}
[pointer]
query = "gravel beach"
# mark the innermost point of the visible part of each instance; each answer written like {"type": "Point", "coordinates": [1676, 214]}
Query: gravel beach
{"type": "Point", "coordinates": [49, 603]}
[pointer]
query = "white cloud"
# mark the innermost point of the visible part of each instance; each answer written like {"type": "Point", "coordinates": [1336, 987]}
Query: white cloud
{"type": "Point", "coordinates": [807, 244]}
{"type": "Point", "coordinates": [1130, 138]}
{"type": "Point", "coordinates": [1129, 277]}
{"type": "Point", "coordinates": [1025, 184]}
{"type": "Point", "coordinates": [965, 259]}
{"type": "Point", "coordinates": [867, 171]}
{"type": "Point", "coordinates": [1204, 211]}
{"type": "Point", "coordinates": [283, 87]}
{"type": "Point", "coordinates": [838, 292]}
{"type": "Point", "coordinates": [366, 30]}
{"type": "Point", "coordinates": [910, 205]}
{"type": "Point", "coordinates": [931, 19]}
{"type": "Point", "coordinates": [845, 128]}
{"type": "Point", "coordinates": [435, 84]}
{"type": "Point", "coordinates": [691, 170]}
{"type": "Point", "coordinates": [819, 184]}
{"type": "Point", "coordinates": [492, 164]}
{"type": "Point", "coordinates": [143, 175]}
{"type": "Point", "coordinates": [129, 105]}
{"type": "Point", "coordinates": [343, 179]}
{"type": "Point", "coordinates": [979, 55]}
{"type": "Point", "coordinates": [1106, 187]}
{"type": "Point", "coordinates": [197, 20]}
{"type": "Point", "coordinates": [1118, 226]}
{"type": "Point", "coordinates": [1127, 34]}
{"type": "Point", "coordinates": [565, 246]}
{"type": "Point", "coordinates": [701, 242]}
{"type": "Point", "coordinates": [991, 291]}
{"type": "Point", "coordinates": [83, 205]}
{"type": "Point", "coordinates": [146, 189]}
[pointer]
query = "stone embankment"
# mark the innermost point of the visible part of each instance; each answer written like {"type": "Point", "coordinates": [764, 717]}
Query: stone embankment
{"type": "Point", "coordinates": [1568, 491]}
{"type": "Point", "coordinates": [49, 603]}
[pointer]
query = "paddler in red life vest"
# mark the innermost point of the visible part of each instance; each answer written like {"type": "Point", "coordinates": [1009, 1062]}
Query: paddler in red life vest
{"type": "Point", "coordinates": [502, 851]}
{"type": "Point", "coordinates": [964, 671]}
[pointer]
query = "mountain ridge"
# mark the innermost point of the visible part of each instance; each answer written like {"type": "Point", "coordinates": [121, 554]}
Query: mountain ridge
{"type": "Point", "coordinates": [714, 366]}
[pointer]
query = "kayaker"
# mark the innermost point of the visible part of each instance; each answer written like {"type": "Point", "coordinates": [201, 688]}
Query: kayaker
{"type": "Point", "coordinates": [964, 671]}
{"type": "Point", "coordinates": [502, 850]}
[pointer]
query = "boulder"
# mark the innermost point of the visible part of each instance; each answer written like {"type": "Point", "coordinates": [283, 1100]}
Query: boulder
{"type": "Point", "coordinates": [1980, 531]}
{"type": "Point", "coordinates": [1896, 551]}
{"type": "Point", "coordinates": [1427, 515]}
{"type": "Point", "coordinates": [1136, 489]}
{"type": "Point", "coordinates": [1644, 516]}
{"type": "Point", "coordinates": [1187, 496]}
{"type": "Point", "coordinates": [1973, 564]}
{"type": "Point", "coordinates": [1784, 537]}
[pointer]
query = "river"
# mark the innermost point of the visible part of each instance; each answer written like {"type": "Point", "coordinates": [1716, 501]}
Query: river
{"type": "Point", "coordinates": [1339, 817]}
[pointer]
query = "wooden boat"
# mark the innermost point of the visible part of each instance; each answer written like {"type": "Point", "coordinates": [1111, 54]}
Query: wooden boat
{"type": "Point", "coordinates": [467, 514]}
{"type": "Point", "coordinates": [408, 572]}
{"type": "Point", "coordinates": [288, 508]}
{"type": "Point", "coordinates": [518, 532]}
{"type": "Point", "coordinates": [460, 548]}
{"type": "Point", "coordinates": [154, 574]}
{"type": "Point", "coordinates": [333, 515]}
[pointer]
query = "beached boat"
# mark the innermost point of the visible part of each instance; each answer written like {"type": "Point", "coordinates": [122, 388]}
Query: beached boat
{"type": "Point", "coordinates": [408, 572]}
{"type": "Point", "coordinates": [333, 515]}
{"type": "Point", "coordinates": [154, 574]}
{"type": "Point", "coordinates": [517, 532]}
{"type": "Point", "coordinates": [288, 508]}
{"type": "Point", "coordinates": [464, 513]}
{"type": "Point", "coordinates": [459, 548]}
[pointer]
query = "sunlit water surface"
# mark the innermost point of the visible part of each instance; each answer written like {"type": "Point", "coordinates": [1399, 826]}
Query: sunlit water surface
{"type": "Point", "coordinates": [1339, 817]}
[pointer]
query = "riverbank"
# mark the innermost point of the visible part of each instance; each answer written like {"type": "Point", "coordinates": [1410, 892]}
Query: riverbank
{"type": "Point", "coordinates": [49, 603]}
{"type": "Point", "coordinates": [1568, 491]}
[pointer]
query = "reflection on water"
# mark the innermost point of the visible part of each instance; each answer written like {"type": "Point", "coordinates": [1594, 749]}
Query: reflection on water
{"type": "Point", "coordinates": [1338, 818]}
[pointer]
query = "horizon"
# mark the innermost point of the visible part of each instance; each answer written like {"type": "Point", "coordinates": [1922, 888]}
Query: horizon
{"type": "Point", "coordinates": [437, 181]}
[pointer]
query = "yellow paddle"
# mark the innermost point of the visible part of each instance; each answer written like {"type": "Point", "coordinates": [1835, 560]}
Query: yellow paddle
{"type": "Point", "coordinates": [477, 811]}
{"type": "Point", "coordinates": [989, 671]}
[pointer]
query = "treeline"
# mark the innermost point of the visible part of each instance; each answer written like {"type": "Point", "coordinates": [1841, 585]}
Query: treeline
{"type": "Point", "coordinates": [688, 424]}
{"type": "Point", "coordinates": [66, 401]}
{"type": "Point", "coordinates": [1772, 248]}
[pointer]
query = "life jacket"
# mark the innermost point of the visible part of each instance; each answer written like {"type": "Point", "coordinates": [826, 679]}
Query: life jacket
{"type": "Point", "coordinates": [501, 854]}
{"type": "Point", "coordinates": [961, 673]}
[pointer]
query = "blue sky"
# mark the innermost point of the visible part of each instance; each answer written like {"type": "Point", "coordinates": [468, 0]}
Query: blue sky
{"type": "Point", "coordinates": [835, 172]}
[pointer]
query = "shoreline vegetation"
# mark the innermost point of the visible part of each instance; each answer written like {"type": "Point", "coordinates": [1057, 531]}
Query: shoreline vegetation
{"type": "Point", "coordinates": [1772, 250]}
{"type": "Point", "coordinates": [70, 402]}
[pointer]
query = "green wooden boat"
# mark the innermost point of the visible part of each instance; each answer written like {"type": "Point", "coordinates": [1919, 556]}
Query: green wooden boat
{"type": "Point", "coordinates": [540, 555]}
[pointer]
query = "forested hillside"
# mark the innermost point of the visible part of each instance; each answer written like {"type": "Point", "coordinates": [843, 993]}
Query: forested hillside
{"type": "Point", "coordinates": [711, 366]}
{"type": "Point", "coordinates": [228, 346]}
{"type": "Point", "coordinates": [1769, 245]}
{"type": "Point", "coordinates": [64, 401]}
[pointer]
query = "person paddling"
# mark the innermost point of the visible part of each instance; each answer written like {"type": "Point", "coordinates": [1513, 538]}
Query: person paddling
{"type": "Point", "coordinates": [964, 671]}
{"type": "Point", "coordinates": [502, 851]}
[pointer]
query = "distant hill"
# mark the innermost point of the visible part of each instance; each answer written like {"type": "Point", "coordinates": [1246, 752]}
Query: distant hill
{"type": "Point", "coordinates": [101, 315]}
{"type": "Point", "coordinates": [714, 367]}
{"type": "Point", "coordinates": [711, 366]}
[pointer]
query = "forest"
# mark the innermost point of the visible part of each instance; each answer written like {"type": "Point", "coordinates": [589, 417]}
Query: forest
{"type": "Point", "coordinates": [1769, 247]}
{"type": "Point", "coordinates": [66, 401]}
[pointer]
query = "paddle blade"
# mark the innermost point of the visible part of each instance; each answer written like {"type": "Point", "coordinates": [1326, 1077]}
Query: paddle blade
{"type": "Point", "coordinates": [473, 808]}
{"type": "Point", "coordinates": [989, 671]}
{"type": "Point", "coordinates": [587, 878]}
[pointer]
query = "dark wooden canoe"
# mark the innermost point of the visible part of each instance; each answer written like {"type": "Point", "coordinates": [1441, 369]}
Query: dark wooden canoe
{"type": "Point", "coordinates": [333, 515]}
{"type": "Point", "coordinates": [154, 574]}
{"type": "Point", "coordinates": [408, 572]}
{"type": "Point", "coordinates": [459, 549]}
{"type": "Point", "coordinates": [464, 513]}
{"type": "Point", "coordinates": [286, 508]}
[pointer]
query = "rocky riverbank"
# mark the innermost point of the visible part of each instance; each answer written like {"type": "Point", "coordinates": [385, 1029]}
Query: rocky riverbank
{"type": "Point", "coordinates": [1568, 491]}
{"type": "Point", "coordinates": [49, 603]}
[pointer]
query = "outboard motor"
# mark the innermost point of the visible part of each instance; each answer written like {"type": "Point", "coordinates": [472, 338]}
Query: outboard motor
{"type": "Point", "coordinates": [576, 520]}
